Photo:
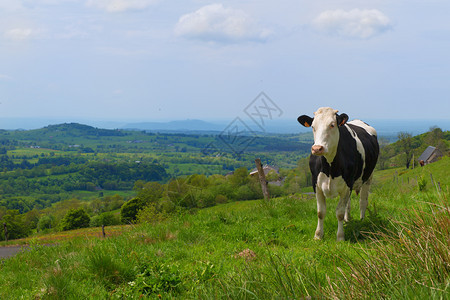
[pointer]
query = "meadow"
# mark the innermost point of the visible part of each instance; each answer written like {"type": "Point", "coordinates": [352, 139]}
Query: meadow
{"type": "Point", "coordinates": [257, 250]}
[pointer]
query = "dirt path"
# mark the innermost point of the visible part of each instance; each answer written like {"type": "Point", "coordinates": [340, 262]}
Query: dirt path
{"type": "Point", "coordinates": [6, 252]}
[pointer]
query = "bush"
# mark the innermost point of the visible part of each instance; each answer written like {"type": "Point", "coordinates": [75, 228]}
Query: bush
{"type": "Point", "coordinates": [205, 199]}
{"type": "Point", "coordinates": [107, 219]}
{"type": "Point", "coordinates": [46, 223]}
{"type": "Point", "coordinates": [15, 224]}
{"type": "Point", "coordinates": [74, 219]}
{"type": "Point", "coordinates": [245, 192]}
{"type": "Point", "coordinates": [150, 214]}
{"type": "Point", "coordinates": [221, 199]}
{"type": "Point", "coordinates": [157, 279]}
{"type": "Point", "coordinates": [422, 183]}
{"type": "Point", "coordinates": [130, 209]}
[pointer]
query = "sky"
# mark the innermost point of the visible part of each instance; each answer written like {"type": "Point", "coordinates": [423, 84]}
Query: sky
{"type": "Point", "coordinates": [162, 60]}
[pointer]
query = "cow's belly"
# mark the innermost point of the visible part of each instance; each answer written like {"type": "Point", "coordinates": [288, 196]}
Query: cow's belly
{"type": "Point", "coordinates": [331, 187]}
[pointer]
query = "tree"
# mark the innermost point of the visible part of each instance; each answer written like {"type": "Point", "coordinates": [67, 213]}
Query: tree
{"type": "Point", "coordinates": [46, 223]}
{"type": "Point", "coordinates": [16, 225]}
{"type": "Point", "coordinates": [130, 209]}
{"type": "Point", "coordinates": [150, 192]}
{"type": "Point", "coordinates": [240, 177]}
{"type": "Point", "coordinates": [405, 142]}
{"type": "Point", "coordinates": [74, 219]}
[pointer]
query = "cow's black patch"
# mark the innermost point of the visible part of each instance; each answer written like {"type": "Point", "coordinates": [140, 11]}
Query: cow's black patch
{"type": "Point", "coordinates": [348, 162]}
{"type": "Point", "coordinates": [371, 149]}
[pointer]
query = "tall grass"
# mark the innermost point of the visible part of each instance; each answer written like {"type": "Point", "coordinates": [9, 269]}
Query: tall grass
{"type": "Point", "coordinates": [253, 250]}
{"type": "Point", "coordinates": [410, 261]}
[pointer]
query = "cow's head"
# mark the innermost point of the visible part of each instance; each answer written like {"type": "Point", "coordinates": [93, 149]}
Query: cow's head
{"type": "Point", "coordinates": [325, 128]}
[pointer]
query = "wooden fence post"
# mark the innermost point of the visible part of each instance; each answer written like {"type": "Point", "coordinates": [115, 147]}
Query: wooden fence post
{"type": "Point", "coordinates": [262, 179]}
{"type": "Point", "coordinates": [6, 232]}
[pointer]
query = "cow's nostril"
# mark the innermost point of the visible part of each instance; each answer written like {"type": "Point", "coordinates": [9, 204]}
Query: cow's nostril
{"type": "Point", "coordinates": [316, 149]}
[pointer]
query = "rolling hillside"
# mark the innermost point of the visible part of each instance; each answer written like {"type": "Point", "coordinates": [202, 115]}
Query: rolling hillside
{"type": "Point", "coordinates": [253, 249]}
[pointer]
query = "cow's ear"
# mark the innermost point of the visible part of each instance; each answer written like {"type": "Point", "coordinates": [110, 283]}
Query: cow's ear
{"type": "Point", "coordinates": [305, 120]}
{"type": "Point", "coordinates": [342, 119]}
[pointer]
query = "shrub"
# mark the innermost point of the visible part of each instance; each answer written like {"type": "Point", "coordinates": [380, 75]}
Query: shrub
{"type": "Point", "coordinates": [157, 279]}
{"type": "Point", "coordinates": [150, 214]}
{"type": "Point", "coordinates": [206, 199]}
{"type": "Point", "coordinates": [221, 199]}
{"type": "Point", "coordinates": [107, 219]}
{"type": "Point", "coordinates": [245, 192]}
{"type": "Point", "coordinates": [74, 219]}
{"type": "Point", "coordinates": [15, 224]}
{"type": "Point", "coordinates": [46, 223]}
{"type": "Point", "coordinates": [422, 183]}
{"type": "Point", "coordinates": [130, 209]}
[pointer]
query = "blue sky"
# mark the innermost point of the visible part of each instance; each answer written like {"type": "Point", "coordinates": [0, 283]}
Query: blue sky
{"type": "Point", "coordinates": [153, 60]}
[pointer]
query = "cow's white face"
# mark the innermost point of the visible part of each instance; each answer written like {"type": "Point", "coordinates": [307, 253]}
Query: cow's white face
{"type": "Point", "coordinates": [325, 129]}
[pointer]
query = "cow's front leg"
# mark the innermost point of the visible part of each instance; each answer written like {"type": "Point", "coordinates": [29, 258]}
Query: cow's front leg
{"type": "Point", "coordinates": [340, 213]}
{"type": "Point", "coordinates": [347, 215]}
{"type": "Point", "coordinates": [321, 211]}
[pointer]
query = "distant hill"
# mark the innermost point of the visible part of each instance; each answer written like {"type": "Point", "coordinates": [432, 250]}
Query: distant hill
{"type": "Point", "coordinates": [385, 128]}
{"type": "Point", "coordinates": [181, 126]}
{"type": "Point", "coordinates": [66, 130]}
{"type": "Point", "coordinates": [76, 129]}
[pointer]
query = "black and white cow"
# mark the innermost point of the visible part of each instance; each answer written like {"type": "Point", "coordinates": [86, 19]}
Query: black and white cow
{"type": "Point", "coordinates": [342, 159]}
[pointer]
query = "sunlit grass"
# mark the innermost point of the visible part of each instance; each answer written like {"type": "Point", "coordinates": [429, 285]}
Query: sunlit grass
{"type": "Point", "coordinates": [251, 250]}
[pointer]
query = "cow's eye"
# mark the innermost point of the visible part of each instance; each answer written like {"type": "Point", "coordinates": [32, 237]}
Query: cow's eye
{"type": "Point", "coordinates": [331, 125]}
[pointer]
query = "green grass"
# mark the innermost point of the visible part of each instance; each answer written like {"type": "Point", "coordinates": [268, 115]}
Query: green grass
{"type": "Point", "coordinates": [256, 250]}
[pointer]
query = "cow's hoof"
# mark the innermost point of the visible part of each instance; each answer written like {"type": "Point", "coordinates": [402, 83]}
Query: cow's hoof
{"type": "Point", "coordinates": [340, 237]}
{"type": "Point", "coordinates": [318, 236]}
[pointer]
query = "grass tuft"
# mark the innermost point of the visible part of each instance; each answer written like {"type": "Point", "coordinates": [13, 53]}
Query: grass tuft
{"type": "Point", "coordinates": [411, 260]}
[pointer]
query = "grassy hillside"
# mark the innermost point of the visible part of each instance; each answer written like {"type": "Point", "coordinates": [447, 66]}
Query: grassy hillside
{"type": "Point", "coordinates": [257, 250]}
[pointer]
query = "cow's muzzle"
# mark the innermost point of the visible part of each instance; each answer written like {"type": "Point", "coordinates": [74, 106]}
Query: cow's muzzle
{"type": "Point", "coordinates": [317, 150]}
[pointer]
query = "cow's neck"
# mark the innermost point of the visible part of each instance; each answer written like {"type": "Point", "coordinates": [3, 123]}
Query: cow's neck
{"type": "Point", "coordinates": [330, 156]}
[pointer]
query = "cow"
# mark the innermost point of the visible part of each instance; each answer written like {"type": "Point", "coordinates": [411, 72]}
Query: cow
{"type": "Point", "coordinates": [342, 159]}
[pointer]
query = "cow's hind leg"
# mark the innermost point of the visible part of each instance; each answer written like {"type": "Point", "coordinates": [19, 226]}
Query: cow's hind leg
{"type": "Point", "coordinates": [321, 211]}
{"type": "Point", "coordinates": [340, 213]}
{"type": "Point", "coordinates": [363, 200]}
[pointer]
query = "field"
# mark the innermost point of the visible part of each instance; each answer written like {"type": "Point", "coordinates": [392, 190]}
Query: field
{"type": "Point", "coordinates": [258, 250]}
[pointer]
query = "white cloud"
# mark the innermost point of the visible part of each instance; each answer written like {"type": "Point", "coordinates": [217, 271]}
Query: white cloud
{"type": "Point", "coordinates": [217, 23]}
{"type": "Point", "coordinates": [120, 5]}
{"type": "Point", "coordinates": [355, 23]}
{"type": "Point", "coordinates": [19, 33]}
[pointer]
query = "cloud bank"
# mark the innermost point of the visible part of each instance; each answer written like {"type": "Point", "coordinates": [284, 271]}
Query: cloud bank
{"type": "Point", "coordinates": [219, 24]}
{"type": "Point", "coordinates": [356, 23]}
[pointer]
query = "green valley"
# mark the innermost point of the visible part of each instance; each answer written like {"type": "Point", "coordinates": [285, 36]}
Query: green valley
{"type": "Point", "coordinates": [186, 220]}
